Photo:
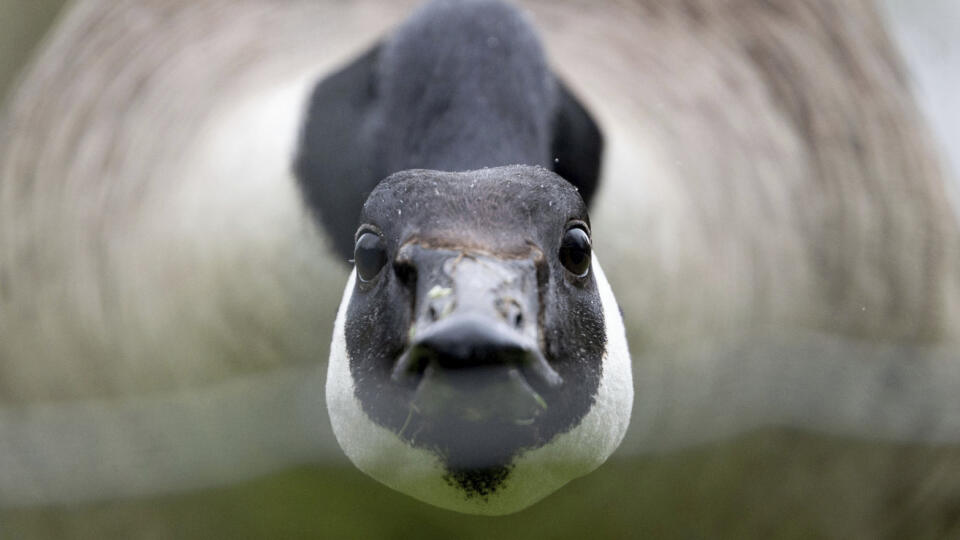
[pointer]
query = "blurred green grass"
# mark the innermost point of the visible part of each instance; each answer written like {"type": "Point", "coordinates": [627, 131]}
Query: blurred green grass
{"type": "Point", "coordinates": [768, 484]}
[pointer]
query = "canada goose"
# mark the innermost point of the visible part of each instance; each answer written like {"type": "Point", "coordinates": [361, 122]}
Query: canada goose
{"type": "Point", "coordinates": [134, 293]}
{"type": "Point", "coordinates": [479, 361]}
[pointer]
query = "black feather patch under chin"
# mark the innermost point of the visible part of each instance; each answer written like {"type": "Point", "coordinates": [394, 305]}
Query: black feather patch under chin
{"type": "Point", "coordinates": [479, 483]}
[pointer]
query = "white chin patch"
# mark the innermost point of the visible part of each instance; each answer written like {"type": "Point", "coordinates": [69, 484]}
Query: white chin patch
{"type": "Point", "coordinates": [533, 475]}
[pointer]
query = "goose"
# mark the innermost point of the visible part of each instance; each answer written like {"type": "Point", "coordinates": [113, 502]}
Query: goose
{"type": "Point", "coordinates": [164, 278]}
{"type": "Point", "coordinates": [479, 360]}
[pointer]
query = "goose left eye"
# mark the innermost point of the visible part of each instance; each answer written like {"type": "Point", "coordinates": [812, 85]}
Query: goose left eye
{"type": "Point", "coordinates": [369, 255]}
{"type": "Point", "coordinates": [575, 251]}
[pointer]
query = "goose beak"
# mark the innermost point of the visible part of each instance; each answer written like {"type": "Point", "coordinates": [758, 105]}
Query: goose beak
{"type": "Point", "coordinates": [474, 355]}
{"type": "Point", "coordinates": [476, 369]}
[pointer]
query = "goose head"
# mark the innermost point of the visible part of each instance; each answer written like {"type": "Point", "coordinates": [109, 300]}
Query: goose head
{"type": "Point", "coordinates": [478, 359]}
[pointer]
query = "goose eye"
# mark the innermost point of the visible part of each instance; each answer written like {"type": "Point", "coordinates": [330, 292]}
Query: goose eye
{"type": "Point", "coordinates": [369, 255]}
{"type": "Point", "coordinates": [575, 251]}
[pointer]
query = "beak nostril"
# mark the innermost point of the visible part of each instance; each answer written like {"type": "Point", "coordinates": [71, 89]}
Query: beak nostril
{"type": "Point", "coordinates": [511, 312]}
{"type": "Point", "coordinates": [433, 314]}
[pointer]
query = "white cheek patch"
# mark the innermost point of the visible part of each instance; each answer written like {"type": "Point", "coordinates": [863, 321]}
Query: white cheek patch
{"type": "Point", "coordinates": [535, 474]}
{"type": "Point", "coordinates": [375, 450]}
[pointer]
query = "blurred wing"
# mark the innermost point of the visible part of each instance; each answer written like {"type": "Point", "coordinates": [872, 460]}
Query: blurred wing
{"type": "Point", "coordinates": [167, 300]}
{"type": "Point", "coordinates": [96, 449]}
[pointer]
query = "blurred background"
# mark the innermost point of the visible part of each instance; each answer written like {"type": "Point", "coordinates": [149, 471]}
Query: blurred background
{"type": "Point", "coordinates": [925, 34]}
{"type": "Point", "coordinates": [674, 478]}
{"type": "Point", "coordinates": [24, 24]}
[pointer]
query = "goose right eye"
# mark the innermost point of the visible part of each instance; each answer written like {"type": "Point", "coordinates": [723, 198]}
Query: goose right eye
{"type": "Point", "coordinates": [575, 252]}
